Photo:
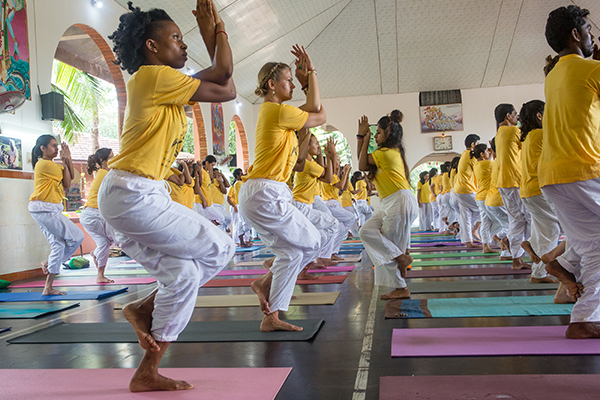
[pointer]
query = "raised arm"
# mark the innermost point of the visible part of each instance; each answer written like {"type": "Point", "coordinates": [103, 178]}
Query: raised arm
{"type": "Point", "coordinates": [363, 138]}
{"type": "Point", "coordinates": [187, 178]}
{"type": "Point", "coordinates": [327, 176]}
{"type": "Point", "coordinates": [307, 76]}
{"type": "Point", "coordinates": [303, 143]}
{"type": "Point", "coordinates": [68, 171]}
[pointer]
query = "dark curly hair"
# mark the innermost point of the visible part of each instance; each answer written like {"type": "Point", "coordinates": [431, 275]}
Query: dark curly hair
{"type": "Point", "coordinates": [395, 133]}
{"type": "Point", "coordinates": [528, 117]}
{"type": "Point", "coordinates": [134, 29]}
{"type": "Point", "coordinates": [561, 23]}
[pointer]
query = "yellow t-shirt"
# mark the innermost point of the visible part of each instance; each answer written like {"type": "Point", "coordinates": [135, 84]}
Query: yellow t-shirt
{"type": "Point", "coordinates": [438, 184]}
{"type": "Point", "coordinates": [346, 198]}
{"type": "Point", "coordinates": [465, 182]}
{"type": "Point", "coordinates": [92, 200]}
{"type": "Point", "coordinates": [216, 194]}
{"type": "Point", "coordinates": [305, 182]}
{"type": "Point", "coordinates": [493, 198]}
{"type": "Point", "coordinates": [234, 192]}
{"type": "Point", "coordinates": [508, 154]}
{"type": "Point", "coordinates": [176, 190]}
{"type": "Point", "coordinates": [452, 179]}
{"type": "Point", "coordinates": [319, 188]}
{"type": "Point", "coordinates": [47, 182]}
{"type": "Point", "coordinates": [446, 183]}
{"type": "Point", "coordinates": [276, 149]}
{"type": "Point", "coordinates": [155, 122]}
{"type": "Point", "coordinates": [205, 188]}
{"type": "Point", "coordinates": [483, 174]}
{"type": "Point", "coordinates": [532, 148]}
{"type": "Point", "coordinates": [425, 192]}
{"type": "Point", "coordinates": [571, 139]}
{"type": "Point", "coordinates": [188, 196]}
{"type": "Point", "coordinates": [330, 192]}
{"type": "Point", "coordinates": [432, 195]}
{"type": "Point", "coordinates": [390, 175]}
{"type": "Point", "coordinates": [362, 186]}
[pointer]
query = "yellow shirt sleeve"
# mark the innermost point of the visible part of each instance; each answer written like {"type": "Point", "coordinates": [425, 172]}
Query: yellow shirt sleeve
{"type": "Point", "coordinates": [493, 198]}
{"type": "Point", "coordinates": [483, 173]}
{"type": "Point", "coordinates": [508, 146]}
{"type": "Point", "coordinates": [305, 182]}
{"type": "Point", "coordinates": [346, 198]}
{"type": "Point", "coordinates": [530, 157]}
{"type": "Point", "coordinates": [188, 196]}
{"type": "Point", "coordinates": [234, 192]}
{"type": "Point", "coordinates": [446, 183]}
{"type": "Point", "coordinates": [330, 192]}
{"type": "Point", "coordinates": [92, 200]}
{"type": "Point", "coordinates": [176, 190]}
{"type": "Point", "coordinates": [465, 178]}
{"type": "Point", "coordinates": [47, 182]}
{"type": "Point", "coordinates": [205, 187]}
{"type": "Point", "coordinates": [390, 175]}
{"type": "Point", "coordinates": [362, 186]}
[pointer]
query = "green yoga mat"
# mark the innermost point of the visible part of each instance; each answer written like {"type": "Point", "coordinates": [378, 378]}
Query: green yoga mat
{"type": "Point", "coordinates": [195, 332]}
{"type": "Point", "coordinates": [496, 285]}
{"type": "Point", "coordinates": [468, 261]}
{"type": "Point", "coordinates": [417, 256]}
{"type": "Point", "coordinates": [516, 306]}
{"type": "Point", "coordinates": [32, 310]}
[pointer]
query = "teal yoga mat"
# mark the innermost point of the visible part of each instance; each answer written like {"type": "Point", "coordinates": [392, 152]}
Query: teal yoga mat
{"type": "Point", "coordinates": [496, 285]}
{"type": "Point", "coordinates": [32, 310]}
{"type": "Point", "coordinates": [37, 296]}
{"type": "Point", "coordinates": [468, 261]}
{"type": "Point", "coordinates": [514, 306]}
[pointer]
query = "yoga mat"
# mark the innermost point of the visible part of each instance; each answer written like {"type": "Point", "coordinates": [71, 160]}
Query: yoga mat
{"type": "Point", "coordinates": [437, 244]}
{"type": "Point", "coordinates": [252, 263]}
{"type": "Point", "coordinates": [475, 307]}
{"type": "Point", "coordinates": [485, 271]}
{"type": "Point", "coordinates": [469, 261]}
{"type": "Point", "coordinates": [113, 384]}
{"type": "Point", "coordinates": [350, 259]}
{"type": "Point", "coordinates": [247, 281]}
{"type": "Point", "coordinates": [248, 249]}
{"type": "Point", "coordinates": [26, 311]}
{"type": "Point", "coordinates": [61, 282]}
{"type": "Point", "coordinates": [497, 285]}
{"type": "Point", "coordinates": [530, 387]}
{"type": "Point", "coordinates": [495, 341]}
{"type": "Point", "coordinates": [110, 272]}
{"type": "Point", "coordinates": [454, 255]}
{"type": "Point", "coordinates": [2, 330]}
{"type": "Point", "coordinates": [37, 296]}
{"type": "Point", "coordinates": [431, 249]}
{"type": "Point", "coordinates": [433, 240]}
{"type": "Point", "coordinates": [195, 332]}
{"type": "Point", "coordinates": [251, 300]}
{"type": "Point", "coordinates": [262, 271]}
{"type": "Point", "coordinates": [352, 247]}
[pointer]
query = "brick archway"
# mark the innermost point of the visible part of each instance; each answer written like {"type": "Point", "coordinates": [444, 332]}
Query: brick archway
{"type": "Point", "coordinates": [115, 70]}
{"type": "Point", "coordinates": [200, 145]}
{"type": "Point", "coordinates": [241, 141]}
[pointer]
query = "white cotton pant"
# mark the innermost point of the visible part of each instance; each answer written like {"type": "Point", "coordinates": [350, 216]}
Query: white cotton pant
{"type": "Point", "coordinates": [499, 225]}
{"type": "Point", "coordinates": [327, 226]}
{"type": "Point", "coordinates": [468, 215]}
{"type": "Point", "coordinates": [425, 217]}
{"type": "Point", "coordinates": [354, 228]}
{"type": "Point", "coordinates": [436, 215]}
{"type": "Point", "coordinates": [102, 233]}
{"type": "Point", "coordinates": [239, 226]}
{"type": "Point", "coordinates": [62, 234]}
{"type": "Point", "coordinates": [486, 222]}
{"type": "Point", "coordinates": [345, 218]}
{"type": "Point", "coordinates": [443, 210]}
{"type": "Point", "coordinates": [364, 211]}
{"type": "Point", "coordinates": [577, 207]}
{"type": "Point", "coordinates": [320, 205]}
{"type": "Point", "coordinates": [179, 248]}
{"type": "Point", "coordinates": [519, 220]}
{"type": "Point", "coordinates": [284, 230]}
{"type": "Point", "coordinates": [217, 212]}
{"type": "Point", "coordinates": [570, 260]}
{"type": "Point", "coordinates": [454, 212]}
{"type": "Point", "coordinates": [545, 230]}
{"type": "Point", "coordinates": [387, 235]}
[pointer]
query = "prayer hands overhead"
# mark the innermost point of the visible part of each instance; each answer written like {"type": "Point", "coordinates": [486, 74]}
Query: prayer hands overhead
{"type": "Point", "coordinates": [303, 64]}
{"type": "Point", "coordinates": [363, 127]}
{"type": "Point", "coordinates": [204, 15]}
{"type": "Point", "coordinates": [65, 152]}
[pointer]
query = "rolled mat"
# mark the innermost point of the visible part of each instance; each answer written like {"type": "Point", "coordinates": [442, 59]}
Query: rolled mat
{"type": "Point", "coordinates": [27, 311]}
{"type": "Point", "coordinates": [37, 296]}
{"type": "Point", "coordinates": [485, 271]}
{"type": "Point", "coordinates": [61, 282]}
{"type": "Point", "coordinates": [453, 255]}
{"type": "Point", "coordinates": [195, 332]}
{"type": "Point", "coordinates": [251, 300]}
{"type": "Point", "coordinates": [91, 384]}
{"type": "Point", "coordinates": [262, 271]}
{"type": "Point", "coordinates": [495, 341]}
{"type": "Point", "coordinates": [468, 261]}
{"type": "Point", "coordinates": [246, 282]}
{"type": "Point", "coordinates": [497, 285]}
{"type": "Point", "coordinates": [530, 387]}
{"type": "Point", "coordinates": [475, 307]}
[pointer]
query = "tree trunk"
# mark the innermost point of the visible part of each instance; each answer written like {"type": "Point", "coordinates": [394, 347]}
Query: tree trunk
{"type": "Point", "coordinates": [95, 131]}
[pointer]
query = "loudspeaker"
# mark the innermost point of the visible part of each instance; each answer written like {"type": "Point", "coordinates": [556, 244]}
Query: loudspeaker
{"type": "Point", "coordinates": [53, 107]}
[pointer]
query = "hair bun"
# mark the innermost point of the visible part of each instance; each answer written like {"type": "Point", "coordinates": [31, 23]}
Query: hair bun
{"type": "Point", "coordinates": [260, 92]}
{"type": "Point", "coordinates": [397, 116]}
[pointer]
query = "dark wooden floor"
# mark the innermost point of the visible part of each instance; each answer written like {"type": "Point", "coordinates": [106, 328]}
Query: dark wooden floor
{"type": "Point", "coordinates": [324, 368]}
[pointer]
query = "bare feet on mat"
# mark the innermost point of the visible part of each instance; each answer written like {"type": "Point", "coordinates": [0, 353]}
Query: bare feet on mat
{"type": "Point", "coordinates": [100, 278]}
{"type": "Point", "coordinates": [52, 292]}
{"type": "Point", "coordinates": [336, 258]}
{"type": "Point", "coordinates": [554, 253]}
{"type": "Point", "coordinates": [476, 234]}
{"type": "Point", "coordinates": [527, 247]}
{"type": "Point", "coordinates": [141, 323]}
{"type": "Point", "coordinates": [505, 244]}
{"type": "Point", "coordinates": [404, 260]}
{"type": "Point", "coordinates": [327, 262]}
{"type": "Point", "coordinates": [155, 382]}
{"type": "Point", "coordinates": [506, 258]}
{"type": "Point", "coordinates": [488, 250]}
{"type": "Point", "coordinates": [583, 330]}
{"type": "Point", "coordinates": [45, 267]}
{"type": "Point", "coordinates": [304, 275]}
{"type": "Point", "coordinates": [518, 263]}
{"type": "Point", "coordinates": [546, 279]}
{"type": "Point", "coordinates": [471, 245]}
{"type": "Point", "coordinates": [562, 295]}
{"type": "Point", "coordinates": [262, 288]}
{"type": "Point", "coordinates": [402, 293]}
{"type": "Point", "coordinates": [271, 323]}
{"type": "Point", "coordinates": [269, 263]}
{"type": "Point", "coordinates": [574, 288]}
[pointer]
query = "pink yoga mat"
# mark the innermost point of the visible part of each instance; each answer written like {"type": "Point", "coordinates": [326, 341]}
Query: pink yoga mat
{"type": "Point", "coordinates": [247, 281]}
{"type": "Point", "coordinates": [530, 387]}
{"type": "Point", "coordinates": [441, 248]}
{"type": "Point", "coordinates": [496, 341]}
{"type": "Point", "coordinates": [85, 282]}
{"type": "Point", "coordinates": [129, 262]}
{"type": "Point", "coordinates": [436, 244]}
{"type": "Point", "coordinates": [113, 384]}
{"type": "Point", "coordinates": [262, 271]}
{"type": "Point", "coordinates": [431, 273]}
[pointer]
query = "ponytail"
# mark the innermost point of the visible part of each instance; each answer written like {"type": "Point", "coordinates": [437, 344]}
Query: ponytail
{"type": "Point", "coordinates": [550, 64]}
{"type": "Point", "coordinates": [36, 152]}
{"type": "Point", "coordinates": [95, 160]}
{"type": "Point", "coordinates": [395, 133]}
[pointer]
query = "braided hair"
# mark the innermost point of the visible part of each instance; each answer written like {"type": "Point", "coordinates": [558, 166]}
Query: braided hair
{"type": "Point", "coordinates": [134, 29]}
{"type": "Point", "coordinates": [95, 161]}
{"type": "Point", "coordinates": [271, 70]}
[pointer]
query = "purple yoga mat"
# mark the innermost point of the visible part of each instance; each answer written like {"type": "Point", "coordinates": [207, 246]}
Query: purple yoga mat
{"type": "Point", "coordinates": [262, 271]}
{"type": "Point", "coordinates": [85, 282]}
{"type": "Point", "coordinates": [431, 273]}
{"type": "Point", "coordinates": [496, 341]}
{"type": "Point", "coordinates": [437, 244]}
{"type": "Point", "coordinates": [530, 387]}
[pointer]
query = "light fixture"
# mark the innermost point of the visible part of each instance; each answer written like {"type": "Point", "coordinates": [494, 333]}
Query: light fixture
{"type": "Point", "coordinates": [238, 103]}
{"type": "Point", "coordinates": [190, 71]}
{"type": "Point", "coordinates": [97, 3]}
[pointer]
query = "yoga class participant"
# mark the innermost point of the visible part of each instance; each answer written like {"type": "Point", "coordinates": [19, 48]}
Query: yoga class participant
{"type": "Point", "coordinates": [90, 218]}
{"type": "Point", "coordinates": [330, 193]}
{"type": "Point", "coordinates": [218, 191]}
{"type": "Point", "coordinates": [265, 198]}
{"type": "Point", "coordinates": [483, 174]}
{"type": "Point", "coordinates": [433, 175]}
{"type": "Point", "coordinates": [176, 180]}
{"type": "Point", "coordinates": [46, 205]}
{"type": "Point", "coordinates": [443, 198]}
{"type": "Point", "coordinates": [464, 190]}
{"type": "Point", "coordinates": [423, 194]}
{"type": "Point", "coordinates": [189, 197]}
{"type": "Point", "coordinates": [386, 236]}
{"type": "Point", "coordinates": [569, 165]}
{"type": "Point", "coordinates": [240, 227]}
{"type": "Point", "coordinates": [178, 247]}
{"type": "Point", "coordinates": [454, 223]}
{"type": "Point", "coordinates": [363, 208]}
{"type": "Point", "coordinates": [496, 210]}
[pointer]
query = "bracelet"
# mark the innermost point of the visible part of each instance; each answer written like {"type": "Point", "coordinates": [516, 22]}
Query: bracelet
{"type": "Point", "coordinates": [226, 35]}
{"type": "Point", "coordinates": [360, 136]}
{"type": "Point", "coordinates": [312, 71]}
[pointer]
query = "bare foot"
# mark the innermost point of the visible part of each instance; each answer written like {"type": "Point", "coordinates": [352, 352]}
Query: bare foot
{"type": "Point", "coordinates": [475, 232]}
{"type": "Point", "coordinates": [326, 261]}
{"type": "Point", "coordinates": [488, 249]}
{"type": "Point", "coordinates": [505, 244]}
{"type": "Point", "coordinates": [154, 382]}
{"type": "Point", "coordinates": [262, 288]}
{"type": "Point", "coordinates": [52, 292]}
{"type": "Point", "coordinates": [304, 275]}
{"type": "Point", "coordinates": [401, 293]}
{"type": "Point", "coordinates": [141, 324]}
{"type": "Point", "coordinates": [527, 247]}
{"type": "Point", "coordinates": [518, 263]}
{"type": "Point", "coordinates": [104, 279]}
{"type": "Point", "coordinates": [45, 267]}
{"type": "Point", "coordinates": [336, 258]}
{"type": "Point", "coordinates": [505, 258]}
{"type": "Point", "coordinates": [471, 245]}
{"type": "Point", "coordinates": [547, 279]}
{"type": "Point", "coordinates": [268, 263]}
{"type": "Point", "coordinates": [582, 330]}
{"type": "Point", "coordinates": [562, 295]}
{"type": "Point", "coordinates": [271, 322]}
{"type": "Point", "coordinates": [554, 253]}
{"type": "Point", "coordinates": [404, 260]}
{"type": "Point", "coordinates": [574, 288]}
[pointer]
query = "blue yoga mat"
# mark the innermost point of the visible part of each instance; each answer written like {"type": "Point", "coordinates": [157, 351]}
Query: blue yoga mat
{"type": "Point", "coordinates": [37, 296]}
{"type": "Point", "coordinates": [2, 330]}
{"type": "Point", "coordinates": [353, 247]}
{"type": "Point", "coordinates": [248, 249]}
{"type": "Point", "coordinates": [25, 311]}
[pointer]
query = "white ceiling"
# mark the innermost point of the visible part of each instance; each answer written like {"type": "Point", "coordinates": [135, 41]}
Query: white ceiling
{"type": "Point", "coordinates": [371, 47]}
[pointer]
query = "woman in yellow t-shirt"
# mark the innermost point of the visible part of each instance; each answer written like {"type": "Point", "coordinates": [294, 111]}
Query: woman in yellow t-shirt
{"type": "Point", "coordinates": [425, 210]}
{"type": "Point", "coordinates": [443, 198]}
{"type": "Point", "coordinates": [177, 179]}
{"type": "Point", "coordinates": [265, 198]}
{"type": "Point", "coordinates": [496, 210]}
{"type": "Point", "coordinates": [240, 227]}
{"type": "Point", "coordinates": [545, 228]}
{"type": "Point", "coordinates": [178, 247]}
{"type": "Point", "coordinates": [46, 205]}
{"type": "Point", "coordinates": [332, 199]}
{"type": "Point", "coordinates": [90, 218]}
{"type": "Point", "coordinates": [218, 190]}
{"type": "Point", "coordinates": [435, 212]}
{"type": "Point", "coordinates": [361, 205]}
{"type": "Point", "coordinates": [465, 187]}
{"type": "Point", "coordinates": [452, 199]}
{"type": "Point", "coordinates": [483, 172]}
{"type": "Point", "coordinates": [386, 236]}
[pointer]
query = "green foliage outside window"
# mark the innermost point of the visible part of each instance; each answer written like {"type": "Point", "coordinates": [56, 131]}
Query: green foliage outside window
{"type": "Point", "coordinates": [342, 145]}
{"type": "Point", "coordinates": [414, 174]}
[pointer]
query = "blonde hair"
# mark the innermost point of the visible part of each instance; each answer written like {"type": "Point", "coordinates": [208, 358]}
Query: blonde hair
{"type": "Point", "coordinates": [271, 70]}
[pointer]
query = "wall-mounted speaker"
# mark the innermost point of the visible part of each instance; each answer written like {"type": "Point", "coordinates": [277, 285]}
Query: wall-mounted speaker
{"type": "Point", "coordinates": [53, 107]}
